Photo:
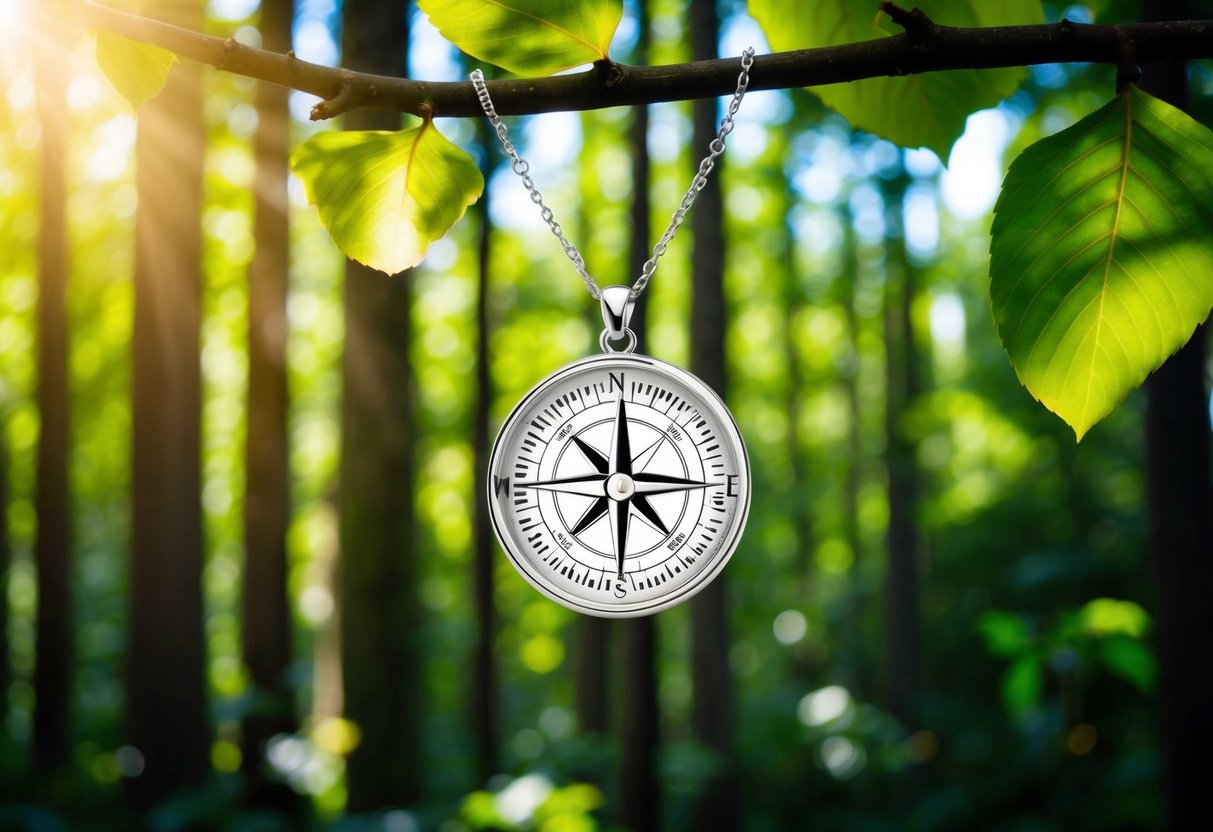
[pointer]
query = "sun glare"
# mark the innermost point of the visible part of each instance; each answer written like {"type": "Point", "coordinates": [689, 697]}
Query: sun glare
{"type": "Point", "coordinates": [14, 26]}
{"type": "Point", "coordinates": [11, 12]}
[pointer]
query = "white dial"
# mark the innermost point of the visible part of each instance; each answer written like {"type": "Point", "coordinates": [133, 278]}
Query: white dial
{"type": "Point", "coordinates": [619, 485]}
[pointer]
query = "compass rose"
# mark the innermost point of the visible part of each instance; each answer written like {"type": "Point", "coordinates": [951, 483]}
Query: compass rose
{"type": "Point", "coordinates": [618, 488]}
{"type": "Point", "coordinates": [619, 485]}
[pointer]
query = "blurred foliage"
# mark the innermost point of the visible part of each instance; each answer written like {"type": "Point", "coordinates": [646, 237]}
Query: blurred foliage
{"type": "Point", "coordinates": [1103, 634]}
{"type": "Point", "coordinates": [531, 802]}
{"type": "Point", "coordinates": [1037, 708]}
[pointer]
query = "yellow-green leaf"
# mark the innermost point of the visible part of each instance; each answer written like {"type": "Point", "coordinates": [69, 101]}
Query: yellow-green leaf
{"type": "Point", "coordinates": [528, 37]}
{"type": "Point", "coordinates": [926, 110]}
{"type": "Point", "coordinates": [138, 71]}
{"type": "Point", "coordinates": [384, 197]}
{"type": "Point", "coordinates": [1101, 254]}
{"type": "Point", "coordinates": [1109, 616]}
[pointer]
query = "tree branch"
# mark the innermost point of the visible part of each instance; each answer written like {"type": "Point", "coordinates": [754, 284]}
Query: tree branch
{"type": "Point", "coordinates": [925, 46]}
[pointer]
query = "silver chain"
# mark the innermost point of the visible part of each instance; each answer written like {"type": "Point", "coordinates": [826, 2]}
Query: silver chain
{"type": "Point", "coordinates": [522, 168]}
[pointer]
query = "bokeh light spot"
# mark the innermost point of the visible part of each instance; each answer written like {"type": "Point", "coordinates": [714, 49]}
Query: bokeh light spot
{"type": "Point", "coordinates": [1081, 739]}
{"type": "Point", "coordinates": [225, 756]}
{"type": "Point", "coordinates": [130, 761]}
{"type": "Point", "coordinates": [542, 653]}
{"type": "Point", "coordinates": [824, 705]}
{"type": "Point", "coordinates": [790, 626]}
{"type": "Point", "coordinates": [842, 757]}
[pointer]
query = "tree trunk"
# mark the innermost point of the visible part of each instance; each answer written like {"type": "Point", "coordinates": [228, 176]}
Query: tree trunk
{"type": "Point", "coordinates": [639, 787]}
{"type": "Point", "coordinates": [793, 299]}
{"type": "Point", "coordinates": [484, 667]}
{"type": "Point", "coordinates": [166, 683]}
{"type": "Point", "coordinates": [640, 793]}
{"type": "Point", "coordinates": [1181, 525]}
{"type": "Point", "coordinates": [855, 650]}
{"type": "Point", "coordinates": [266, 630]}
{"type": "Point", "coordinates": [590, 676]}
{"type": "Point", "coordinates": [52, 499]}
{"type": "Point", "coordinates": [380, 637]}
{"type": "Point", "coordinates": [712, 707]}
{"type": "Point", "coordinates": [592, 679]}
{"type": "Point", "coordinates": [6, 559]}
{"type": "Point", "coordinates": [1180, 499]}
{"type": "Point", "coordinates": [901, 388]}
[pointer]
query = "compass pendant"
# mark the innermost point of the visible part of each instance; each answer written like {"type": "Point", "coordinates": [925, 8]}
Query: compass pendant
{"type": "Point", "coordinates": [619, 485]}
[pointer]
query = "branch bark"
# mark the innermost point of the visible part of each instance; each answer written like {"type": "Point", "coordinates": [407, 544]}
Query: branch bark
{"type": "Point", "coordinates": [924, 47]}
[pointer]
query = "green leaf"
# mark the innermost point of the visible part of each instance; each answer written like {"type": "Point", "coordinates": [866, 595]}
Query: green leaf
{"type": "Point", "coordinates": [1005, 633]}
{"type": "Point", "coordinates": [1101, 257]}
{"type": "Point", "coordinates": [1130, 660]}
{"type": "Point", "coordinates": [479, 810]}
{"type": "Point", "coordinates": [926, 110]}
{"type": "Point", "coordinates": [384, 196]}
{"type": "Point", "coordinates": [1022, 685]}
{"type": "Point", "coordinates": [138, 71]}
{"type": "Point", "coordinates": [570, 803]}
{"type": "Point", "coordinates": [528, 37]}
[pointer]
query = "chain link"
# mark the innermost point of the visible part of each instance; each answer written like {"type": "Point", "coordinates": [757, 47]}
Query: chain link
{"type": "Point", "coordinates": [522, 168]}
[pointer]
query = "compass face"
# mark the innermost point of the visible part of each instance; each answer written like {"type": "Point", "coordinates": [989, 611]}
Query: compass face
{"type": "Point", "coordinates": [619, 485]}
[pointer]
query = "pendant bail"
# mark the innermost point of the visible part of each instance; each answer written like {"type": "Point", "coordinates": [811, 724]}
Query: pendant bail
{"type": "Point", "coordinates": [617, 305]}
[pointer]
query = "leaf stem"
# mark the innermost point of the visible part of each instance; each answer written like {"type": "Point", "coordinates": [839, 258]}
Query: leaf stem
{"type": "Point", "coordinates": [1128, 71]}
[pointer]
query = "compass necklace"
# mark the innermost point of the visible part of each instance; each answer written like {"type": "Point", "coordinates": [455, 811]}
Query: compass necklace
{"type": "Point", "coordinates": [619, 486]}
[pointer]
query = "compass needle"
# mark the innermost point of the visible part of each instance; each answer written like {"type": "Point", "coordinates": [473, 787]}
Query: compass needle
{"type": "Point", "coordinates": [620, 518]}
{"type": "Point", "coordinates": [589, 486]}
{"type": "Point", "coordinates": [621, 449]}
{"type": "Point", "coordinates": [660, 484]}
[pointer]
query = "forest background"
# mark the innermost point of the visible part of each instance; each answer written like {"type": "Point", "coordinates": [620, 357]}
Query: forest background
{"type": "Point", "coordinates": [249, 579]}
